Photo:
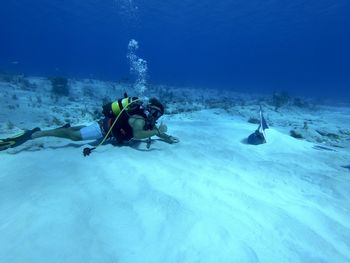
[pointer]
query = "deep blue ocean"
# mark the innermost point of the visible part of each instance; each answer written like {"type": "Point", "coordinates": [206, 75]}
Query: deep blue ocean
{"type": "Point", "coordinates": [261, 46]}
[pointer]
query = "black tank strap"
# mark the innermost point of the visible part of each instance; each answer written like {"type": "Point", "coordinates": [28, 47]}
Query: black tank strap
{"type": "Point", "coordinates": [120, 104]}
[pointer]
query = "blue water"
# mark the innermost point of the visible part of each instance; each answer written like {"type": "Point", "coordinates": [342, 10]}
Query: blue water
{"type": "Point", "coordinates": [298, 46]}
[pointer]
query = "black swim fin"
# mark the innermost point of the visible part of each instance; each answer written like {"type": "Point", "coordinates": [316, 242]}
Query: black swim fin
{"type": "Point", "coordinates": [17, 140]}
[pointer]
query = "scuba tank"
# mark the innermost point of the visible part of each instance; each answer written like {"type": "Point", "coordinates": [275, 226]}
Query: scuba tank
{"type": "Point", "coordinates": [113, 109]}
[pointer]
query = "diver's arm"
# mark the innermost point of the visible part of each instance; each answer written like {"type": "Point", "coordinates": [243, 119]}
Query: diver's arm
{"type": "Point", "coordinates": [162, 129]}
{"type": "Point", "coordinates": [137, 124]}
{"type": "Point", "coordinates": [142, 134]}
{"type": "Point", "coordinates": [168, 138]}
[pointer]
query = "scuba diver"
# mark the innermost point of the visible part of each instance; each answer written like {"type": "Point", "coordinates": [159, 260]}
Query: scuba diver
{"type": "Point", "coordinates": [124, 119]}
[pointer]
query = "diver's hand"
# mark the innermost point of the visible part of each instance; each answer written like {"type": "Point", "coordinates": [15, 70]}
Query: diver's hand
{"type": "Point", "coordinates": [173, 139]}
{"type": "Point", "coordinates": [169, 139]}
{"type": "Point", "coordinates": [162, 129]}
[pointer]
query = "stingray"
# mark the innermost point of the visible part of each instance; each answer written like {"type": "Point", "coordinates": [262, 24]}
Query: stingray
{"type": "Point", "coordinates": [259, 136]}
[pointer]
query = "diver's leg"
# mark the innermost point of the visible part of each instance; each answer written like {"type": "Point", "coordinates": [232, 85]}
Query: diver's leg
{"type": "Point", "coordinates": [72, 133]}
{"type": "Point", "coordinates": [77, 133]}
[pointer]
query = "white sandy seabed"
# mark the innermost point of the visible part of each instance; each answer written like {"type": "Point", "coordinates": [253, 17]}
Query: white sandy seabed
{"type": "Point", "coordinates": [209, 198]}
